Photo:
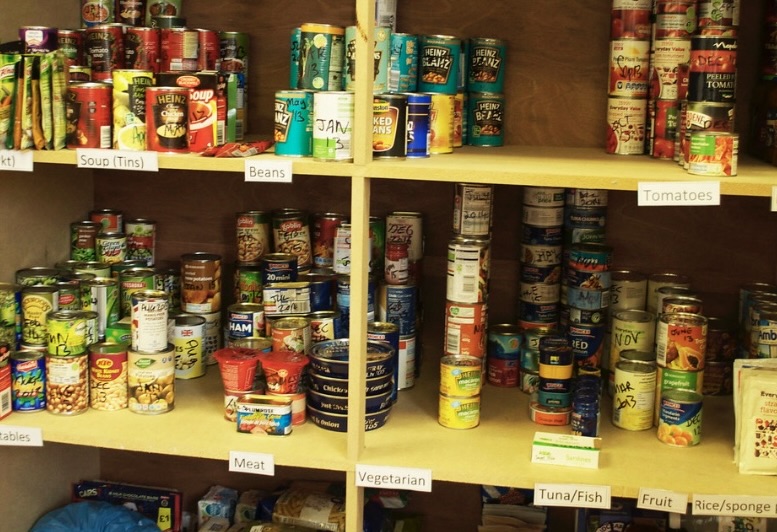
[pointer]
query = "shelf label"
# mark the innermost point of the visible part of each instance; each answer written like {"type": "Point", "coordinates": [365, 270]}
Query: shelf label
{"type": "Point", "coordinates": [774, 199]}
{"type": "Point", "coordinates": [678, 193]}
{"type": "Point", "coordinates": [662, 500]}
{"type": "Point", "coordinates": [406, 478]}
{"type": "Point", "coordinates": [17, 160]}
{"type": "Point", "coordinates": [21, 436]}
{"type": "Point", "coordinates": [141, 161]}
{"type": "Point", "coordinates": [268, 171]}
{"type": "Point", "coordinates": [254, 463]}
{"type": "Point", "coordinates": [576, 495]}
{"type": "Point", "coordinates": [734, 505]}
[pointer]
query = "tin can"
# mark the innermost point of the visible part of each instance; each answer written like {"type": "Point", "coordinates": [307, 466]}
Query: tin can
{"type": "Point", "coordinates": [406, 227]}
{"type": "Point", "coordinates": [321, 57]}
{"type": "Point", "coordinates": [79, 74]}
{"type": "Point", "coordinates": [626, 122]}
{"type": "Point", "coordinates": [322, 288]}
{"type": "Point", "coordinates": [167, 116]}
{"type": "Point", "coordinates": [465, 329]}
{"type": "Point", "coordinates": [95, 12]}
{"type": "Point", "coordinates": [403, 63]}
{"type": "Point", "coordinates": [439, 63]}
{"type": "Point", "coordinates": [254, 238]}
{"type": "Point", "coordinates": [473, 207]}
{"type": "Point", "coordinates": [156, 8]}
{"type": "Point", "coordinates": [664, 116]}
{"type": "Point", "coordinates": [286, 298]}
{"type": "Point", "coordinates": [186, 335]}
{"type": "Point", "coordinates": [459, 114]}
{"type": "Point", "coordinates": [460, 376]}
{"type": "Point", "coordinates": [71, 43]}
{"type": "Point", "coordinates": [211, 336]}
{"type": "Point", "coordinates": [542, 216]}
{"type": "Point", "coordinates": [675, 19]}
{"type": "Point", "coordinates": [535, 316]}
{"type": "Point", "coordinates": [382, 331]}
{"type": "Point", "coordinates": [88, 114]}
{"type": "Point", "coordinates": [112, 220]}
{"type": "Point", "coordinates": [689, 304]}
{"type": "Point", "coordinates": [675, 379]}
{"type": "Point", "coordinates": [680, 418]}
{"type": "Point", "coordinates": [665, 61]}
{"type": "Point", "coordinates": [325, 227]}
{"type": "Point", "coordinates": [325, 325]}
{"type": "Point", "coordinates": [591, 257]}
{"type": "Point", "coordinates": [539, 293]}
{"type": "Point", "coordinates": [141, 240]}
{"type": "Point", "coordinates": [543, 196]}
{"type": "Point", "coordinates": [82, 240]}
{"type": "Point", "coordinates": [149, 314]}
{"type": "Point", "coordinates": [295, 49]}
{"type": "Point", "coordinates": [133, 280]}
{"type": "Point", "coordinates": [130, 12]}
{"type": "Point", "coordinates": [291, 334]}
{"type": "Point", "coordinates": [540, 256]}
{"type": "Point", "coordinates": [234, 51]}
{"type": "Point", "coordinates": [130, 108]}
{"type": "Point", "coordinates": [208, 50]}
{"type": "Point", "coordinates": [587, 343]}
{"type": "Point", "coordinates": [656, 281]}
{"type": "Point", "coordinates": [382, 53]}
{"type": "Point", "coordinates": [549, 415]}
{"type": "Point", "coordinates": [397, 304]}
{"type": "Point", "coordinates": [441, 123]}
{"type": "Point", "coordinates": [298, 405]}
{"type": "Point", "coordinates": [66, 333]}
{"type": "Point", "coordinates": [245, 320]}
{"type": "Point", "coordinates": [631, 330]}
{"type": "Point", "coordinates": [38, 275]}
{"type": "Point", "coordinates": [101, 295]}
{"type": "Point", "coordinates": [486, 65]}
{"type": "Point", "coordinates": [486, 119]}
{"type": "Point", "coordinates": [67, 384]}
{"type": "Point", "coordinates": [763, 343]}
{"type": "Point", "coordinates": [634, 395]}
{"type": "Point", "coordinates": [713, 154]}
{"type": "Point", "coordinates": [10, 313]}
{"type": "Point", "coordinates": [28, 381]}
{"type": "Point", "coordinates": [418, 125]}
{"type": "Point", "coordinates": [709, 117]}
{"type": "Point", "coordinates": [332, 126]}
{"type": "Point", "coordinates": [681, 341]}
{"type": "Point", "coordinates": [105, 50]}
{"type": "Point", "coordinates": [200, 282]}
{"type": "Point", "coordinates": [36, 304]}
{"type": "Point", "coordinates": [630, 19]}
{"type": "Point", "coordinates": [468, 270]}
{"type": "Point", "coordinates": [279, 268]}
{"type": "Point", "coordinates": [629, 67]}
{"type": "Point", "coordinates": [291, 235]}
{"type": "Point", "coordinates": [389, 125]}
{"type": "Point", "coordinates": [108, 376]}
{"type": "Point", "coordinates": [167, 21]}
{"type": "Point", "coordinates": [587, 198]}
{"type": "Point", "coordinates": [712, 76]}
{"type": "Point", "coordinates": [549, 275]}
{"type": "Point", "coordinates": [151, 381]}
{"type": "Point", "coordinates": [459, 412]}
{"type": "Point", "coordinates": [111, 247]}
{"type": "Point", "coordinates": [142, 48]}
{"type": "Point", "coordinates": [178, 49]}
{"type": "Point", "coordinates": [293, 123]}
{"type": "Point", "coordinates": [407, 362]}
{"type": "Point", "coordinates": [264, 414]}
{"type": "Point", "coordinates": [248, 283]}
{"type": "Point", "coordinates": [718, 13]}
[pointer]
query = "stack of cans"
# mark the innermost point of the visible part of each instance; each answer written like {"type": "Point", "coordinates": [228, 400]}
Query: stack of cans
{"type": "Point", "coordinates": [753, 297]}
{"type": "Point", "coordinates": [551, 404]}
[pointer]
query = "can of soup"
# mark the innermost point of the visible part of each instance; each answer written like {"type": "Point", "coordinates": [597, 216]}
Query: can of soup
{"type": "Point", "coordinates": [88, 112]}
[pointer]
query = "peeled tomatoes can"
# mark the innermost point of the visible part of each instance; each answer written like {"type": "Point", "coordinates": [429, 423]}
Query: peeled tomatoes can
{"type": "Point", "coordinates": [713, 73]}
{"type": "Point", "coordinates": [628, 72]}
{"type": "Point", "coordinates": [88, 113]}
{"type": "Point", "coordinates": [626, 124]}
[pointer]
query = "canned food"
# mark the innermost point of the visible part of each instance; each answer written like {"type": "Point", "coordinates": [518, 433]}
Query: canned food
{"type": "Point", "coordinates": [680, 418]}
{"type": "Point", "coordinates": [439, 64]}
{"type": "Point", "coordinates": [681, 341]}
{"type": "Point", "coordinates": [111, 247]}
{"type": "Point", "coordinates": [28, 381]}
{"type": "Point", "coordinates": [406, 362]}
{"type": "Point", "coordinates": [459, 412]}
{"type": "Point", "coordinates": [142, 48]}
{"type": "Point", "coordinates": [36, 304]}
{"type": "Point", "coordinates": [208, 50]}
{"type": "Point", "coordinates": [631, 330]}
{"type": "Point", "coordinates": [88, 113]}
{"type": "Point", "coordinates": [321, 57]}
{"type": "Point", "coordinates": [712, 76]}
{"type": "Point", "coordinates": [200, 282]}
{"type": "Point", "coordinates": [657, 280]}
{"type": "Point", "coordinates": [112, 220]}
{"type": "Point", "coordinates": [264, 414]}
{"type": "Point", "coordinates": [549, 415]}
{"type": "Point", "coordinates": [332, 126]}
{"type": "Point", "coordinates": [389, 125]}
{"type": "Point", "coordinates": [418, 125]}
{"type": "Point", "coordinates": [130, 12]}
{"type": "Point", "coordinates": [245, 320]}
{"type": "Point", "coordinates": [293, 123]}
{"type": "Point", "coordinates": [105, 49]}
{"type": "Point", "coordinates": [485, 119]}
{"type": "Point", "coordinates": [248, 283]}
{"type": "Point", "coordinates": [253, 235]}
{"type": "Point", "coordinates": [286, 298]}
{"type": "Point", "coordinates": [108, 376]}
{"type": "Point", "coordinates": [626, 122]}
{"type": "Point", "coordinates": [713, 154]}
{"type": "Point", "coordinates": [149, 321]}
{"type": "Point", "coordinates": [157, 8]}
{"type": "Point", "coordinates": [38, 39]}
{"type": "Point", "coordinates": [67, 386]}
{"type": "Point", "coordinates": [630, 19]}
{"type": "Point", "coordinates": [403, 63]}
{"type": "Point", "coordinates": [629, 67]}
{"type": "Point", "coordinates": [291, 334]}
{"type": "Point", "coordinates": [465, 328]}
{"type": "Point", "coordinates": [472, 209]}
{"type": "Point", "coordinates": [689, 304]}
{"type": "Point", "coordinates": [66, 333]}
{"type": "Point", "coordinates": [406, 228]}
{"type": "Point", "coordinates": [441, 123]}
{"type": "Point", "coordinates": [167, 116]}
{"type": "Point", "coordinates": [382, 53]}
{"type": "Point", "coordinates": [717, 13]}
{"type": "Point", "coordinates": [460, 376]}
{"type": "Point", "coordinates": [133, 280]}
{"type": "Point", "coordinates": [94, 12]}
{"type": "Point", "coordinates": [151, 381]}
{"type": "Point", "coordinates": [486, 65]}
{"type": "Point", "coordinates": [587, 342]}
{"type": "Point", "coordinates": [178, 49]}
{"type": "Point", "coordinates": [468, 269]}
{"type": "Point", "coordinates": [82, 240]}
{"type": "Point", "coordinates": [634, 395]}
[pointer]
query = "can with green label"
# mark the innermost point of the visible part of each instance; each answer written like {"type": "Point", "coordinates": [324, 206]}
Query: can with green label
{"type": "Point", "coordinates": [485, 119]}
{"type": "Point", "coordinates": [66, 333]}
{"type": "Point", "coordinates": [321, 57]}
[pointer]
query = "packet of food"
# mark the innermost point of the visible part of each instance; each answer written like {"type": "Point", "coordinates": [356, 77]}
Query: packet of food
{"type": "Point", "coordinates": [238, 149]}
{"type": "Point", "coordinates": [45, 101]}
{"type": "Point", "coordinates": [23, 135]}
{"type": "Point", "coordinates": [38, 140]}
{"type": "Point", "coordinates": [58, 99]}
{"type": "Point", "coordinates": [758, 422]}
{"type": "Point", "coordinates": [8, 64]}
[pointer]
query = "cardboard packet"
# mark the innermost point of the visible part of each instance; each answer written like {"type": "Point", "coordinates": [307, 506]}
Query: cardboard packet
{"type": "Point", "coordinates": [8, 65]}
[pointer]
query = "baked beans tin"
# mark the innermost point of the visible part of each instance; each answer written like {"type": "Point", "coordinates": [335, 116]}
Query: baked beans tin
{"type": "Point", "coordinates": [67, 384]}
{"type": "Point", "coordinates": [629, 68]}
{"type": "Point", "coordinates": [291, 235]}
{"type": "Point", "coordinates": [167, 117]}
{"type": "Point", "coordinates": [200, 282]}
{"type": "Point", "coordinates": [630, 19]}
{"type": "Point", "coordinates": [459, 412]}
{"type": "Point", "coordinates": [101, 295]}
{"type": "Point", "coordinates": [36, 304]}
{"type": "Point", "coordinates": [71, 43]}
{"type": "Point", "coordinates": [712, 76]}
{"type": "Point", "coordinates": [333, 126]}
{"type": "Point", "coordinates": [95, 12]}
{"type": "Point", "coordinates": [105, 50]}
{"type": "Point", "coordinates": [674, 19]}
{"type": "Point", "coordinates": [389, 125]}
{"type": "Point", "coordinates": [149, 314]}
{"type": "Point", "coordinates": [82, 240]}
{"type": "Point", "coordinates": [468, 269]}
{"type": "Point", "coordinates": [418, 125]}
{"type": "Point", "coordinates": [293, 123]}
{"type": "Point", "coordinates": [130, 12]}
{"type": "Point", "coordinates": [208, 50]}
{"type": "Point", "coordinates": [439, 64]}
{"type": "Point", "coordinates": [441, 123]}
{"type": "Point", "coordinates": [88, 114]}
{"type": "Point", "coordinates": [130, 108]}
{"type": "Point", "coordinates": [178, 49]}
{"type": "Point", "coordinates": [465, 329]}
{"type": "Point", "coordinates": [681, 341]}
{"type": "Point", "coordinates": [254, 237]}
{"type": "Point", "coordinates": [151, 381]}
{"type": "Point", "coordinates": [28, 381]}
{"type": "Point", "coordinates": [460, 376]}
{"type": "Point", "coordinates": [718, 13]}
{"type": "Point", "coordinates": [160, 8]}
{"type": "Point", "coordinates": [142, 48]}
{"type": "Point", "coordinates": [634, 395]}
{"type": "Point", "coordinates": [108, 376]}
{"type": "Point", "coordinates": [403, 63]}
{"type": "Point", "coordinates": [680, 418]}
{"type": "Point", "coordinates": [291, 334]}
{"type": "Point", "coordinates": [66, 333]}
{"type": "Point", "coordinates": [186, 333]}
{"type": "Point", "coordinates": [245, 320]}
{"type": "Point", "coordinates": [486, 65]}
{"type": "Point", "coordinates": [321, 57]}
{"type": "Point", "coordinates": [38, 39]}
{"type": "Point", "coordinates": [485, 119]}
{"type": "Point", "coordinates": [626, 121]}
{"type": "Point", "coordinates": [713, 154]}
{"type": "Point", "coordinates": [382, 52]}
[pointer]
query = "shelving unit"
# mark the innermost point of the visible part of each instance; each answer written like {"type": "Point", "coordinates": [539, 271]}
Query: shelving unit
{"type": "Point", "coordinates": [556, 99]}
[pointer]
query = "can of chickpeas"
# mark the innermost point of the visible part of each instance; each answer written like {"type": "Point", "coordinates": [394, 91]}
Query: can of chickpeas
{"type": "Point", "coordinates": [151, 381]}
{"type": "Point", "coordinates": [66, 386]}
{"type": "Point", "coordinates": [108, 376]}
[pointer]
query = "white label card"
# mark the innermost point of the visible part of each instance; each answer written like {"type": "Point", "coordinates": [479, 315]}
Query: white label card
{"type": "Point", "coordinates": [268, 170]}
{"type": "Point", "coordinates": [17, 160]}
{"type": "Point", "coordinates": [254, 463]}
{"type": "Point", "coordinates": [406, 478]}
{"type": "Point", "coordinates": [21, 436]}
{"type": "Point", "coordinates": [774, 199]}
{"type": "Point", "coordinates": [141, 161]}
{"type": "Point", "coordinates": [734, 505]}
{"type": "Point", "coordinates": [678, 193]}
{"type": "Point", "coordinates": [576, 495]}
{"type": "Point", "coordinates": [662, 500]}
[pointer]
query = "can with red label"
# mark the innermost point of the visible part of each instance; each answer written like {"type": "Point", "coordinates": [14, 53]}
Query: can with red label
{"type": "Point", "coordinates": [178, 49]}
{"type": "Point", "coordinates": [108, 376]}
{"type": "Point", "coordinates": [208, 50]}
{"type": "Point", "coordinates": [95, 12]}
{"type": "Point", "coordinates": [141, 48]}
{"type": "Point", "coordinates": [105, 50]}
{"type": "Point", "coordinates": [681, 341]}
{"type": "Point", "coordinates": [630, 19]}
{"type": "Point", "coordinates": [323, 239]}
{"type": "Point", "coordinates": [254, 237]}
{"type": "Point", "coordinates": [628, 72]}
{"type": "Point", "coordinates": [718, 13]}
{"type": "Point", "coordinates": [129, 108]}
{"type": "Point", "coordinates": [713, 69]}
{"type": "Point", "coordinates": [665, 61]}
{"type": "Point", "coordinates": [674, 19]}
{"type": "Point", "coordinates": [291, 234]}
{"type": "Point", "coordinates": [626, 121]}
{"type": "Point", "coordinates": [28, 381]}
{"type": "Point", "coordinates": [663, 127]}
{"type": "Point", "coordinates": [167, 117]}
{"type": "Point", "coordinates": [88, 114]}
{"type": "Point", "coordinates": [465, 328]}
{"type": "Point", "coordinates": [71, 43]}
{"type": "Point", "coordinates": [201, 282]}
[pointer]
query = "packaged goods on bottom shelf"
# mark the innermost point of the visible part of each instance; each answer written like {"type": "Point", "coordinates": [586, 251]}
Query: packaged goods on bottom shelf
{"type": "Point", "coordinates": [510, 509]}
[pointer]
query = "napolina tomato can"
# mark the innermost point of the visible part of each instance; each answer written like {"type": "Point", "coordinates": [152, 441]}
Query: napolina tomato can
{"type": "Point", "coordinates": [713, 72]}
{"type": "Point", "coordinates": [88, 114]}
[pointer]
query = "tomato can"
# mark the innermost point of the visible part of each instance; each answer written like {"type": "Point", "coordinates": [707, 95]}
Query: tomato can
{"type": "Point", "coordinates": [105, 50]}
{"type": "Point", "coordinates": [321, 57]}
{"type": "Point", "coordinates": [95, 12]}
{"type": "Point", "coordinates": [465, 329]}
{"type": "Point", "coordinates": [382, 54]}
{"type": "Point", "coordinates": [664, 116]}
{"type": "Point", "coordinates": [403, 63]}
{"type": "Point", "coordinates": [473, 208]}
{"type": "Point", "coordinates": [459, 412]}
{"type": "Point", "coordinates": [718, 13]}
{"type": "Point", "coordinates": [67, 384]}
{"type": "Point", "coordinates": [142, 48]}
{"type": "Point", "coordinates": [291, 235]}
{"type": "Point", "coordinates": [36, 304]}
{"type": "Point", "coordinates": [713, 73]}
{"type": "Point", "coordinates": [389, 125]}
{"type": "Point", "coordinates": [88, 114]}
{"type": "Point", "coordinates": [439, 63]}
{"type": "Point", "coordinates": [665, 61]}
{"type": "Point", "coordinates": [293, 123]}
{"type": "Point", "coordinates": [150, 309]}
{"type": "Point", "coordinates": [291, 334]}
{"type": "Point", "coordinates": [28, 381]}
{"type": "Point", "coordinates": [186, 335]}
{"type": "Point", "coordinates": [634, 395]}
{"type": "Point", "coordinates": [333, 126]}
{"type": "Point", "coordinates": [71, 43]}
{"type": "Point", "coordinates": [486, 65]}
{"type": "Point", "coordinates": [486, 119]}
{"type": "Point", "coordinates": [441, 122]}
{"type": "Point", "coordinates": [108, 376]}
{"type": "Point", "coordinates": [200, 282]}
{"type": "Point", "coordinates": [418, 124]}
{"type": "Point", "coordinates": [178, 49]}
{"type": "Point", "coordinates": [713, 153]}
{"type": "Point", "coordinates": [167, 117]}
{"type": "Point", "coordinates": [680, 418]}
{"type": "Point", "coordinates": [130, 108]}
{"type": "Point", "coordinates": [681, 341]}
{"type": "Point", "coordinates": [675, 19]}
{"type": "Point", "coordinates": [629, 67]}
{"type": "Point", "coordinates": [468, 269]}
{"type": "Point", "coordinates": [151, 381]}
{"type": "Point", "coordinates": [208, 50]}
{"type": "Point", "coordinates": [325, 227]}
{"type": "Point", "coordinates": [630, 19]}
{"type": "Point", "coordinates": [626, 122]}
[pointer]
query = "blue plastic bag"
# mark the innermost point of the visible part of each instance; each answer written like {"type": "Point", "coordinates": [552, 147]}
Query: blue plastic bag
{"type": "Point", "coordinates": [93, 516]}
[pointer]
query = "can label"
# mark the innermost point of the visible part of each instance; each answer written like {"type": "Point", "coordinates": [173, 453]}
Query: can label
{"type": "Point", "coordinates": [95, 12]}
{"type": "Point", "coordinates": [253, 235]}
{"type": "Point", "coordinates": [332, 126]}
{"type": "Point", "coordinates": [406, 362]}
{"type": "Point", "coordinates": [200, 283]}
{"type": "Point", "coordinates": [101, 296]}
{"type": "Point", "coordinates": [141, 48]}
{"type": "Point", "coordinates": [460, 376]}
{"type": "Point", "coordinates": [151, 382]}
{"type": "Point", "coordinates": [82, 240]}
{"type": "Point", "coordinates": [105, 50]}
{"type": "Point", "coordinates": [418, 125]}
{"type": "Point", "coordinates": [167, 114]}
{"type": "Point", "coordinates": [291, 335]}
{"type": "Point", "coordinates": [141, 241]}
{"type": "Point", "coordinates": [681, 341]}
{"type": "Point", "coordinates": [88, 110]}
{"type": "Point", "coordinates": [543, 216]}
{"type": "Point", "coordinates": [665, 61]}
{"type": "Point", "coordinates": [675, 19]}
{"type": "Point", "coordinates": [502, 372]}
{"type": "Point", "coordinates": [406, 228]}
{"type": "Point", "coordinates": [381, 55]}
{"type": "Point", "coordinates": [630, 19]}
{"type": "Point", "coordinates": [67, 384]}
{"type": "Point", "coordinates": [634, 395]}
{"type": "Point", "coordinates": [248, 284]}
{"type": "Point", "coordinates": [245, 321]}
{"type": "Point", "coordinates": [486, 65]}
{"type": "Point", "coordinates": [389, 125]}
{"type": "Point", "coordinates": [664, 116]}
{"type": "Point", "coordinates": [631, 329]}
{"type": "Point", "coordinates": [321, 57]}
{"type": "Point", "coordinates": [465, 329]}
{"type": "Point", "coordinates": [540, 274]}
{"type": "Point", "coordinates": [130, 282]}
{"type": "Point", "coordinates": [111, 247]}
{"type": "Point", "coordinates": [28, 382]}
{"type": "Point", "coordinates": [713, 154]}
{"type": "Point", "coordinates": [149, 321]}
{"type": "Point", "coordinates": [486, 119]}
{"type": "Point", "coordinates": [468, 271]}
{"type": "Point", "coordinates": [587, 342]}
{"type": "Point", "coordinates": [186, 335]}
{"type": "Point", "coordinates": [291, 234]}
{"type": "Point", "coordinates": [441, 123]}
{"type": "Point", "coordinates": [629, 290]}
{"type": "Point", "coordinates": [545, 236]}
{"type": "Point", "coordinates": [680, 418]}
{"type": "Point", "coordinates": [293, 123]}
{"type": "Point", "coordinates": [403, 63]}
{"type": "Point", "coordinates": [108, 377]}
{"type": "Point", "coordinates": [539, 293]}
{"type": "Point", "coordinates": [439, 64]}
{"type": "Point", "coordinates": [712, 76]}
{"type": "Point", "coordinates": [35, 308]}
{"type": "Point", "coordinates": [325, 327]}
{"type": "Point", "coordinates": [459, 412]}
{"type": "Point", "coordinates": [67, 333]}
{"type": "Point", "coordinates": [629, 68]}
{"type": "Point", "coordinates": [543, 196]}
{"type": "Point", "coordinates": [626, 120]}
{"type": "Point", "coordinates": [286, 298]}
{"type": "Point", "coordinates": [718, 13]}
{"type": "Point", "coordinates": [397, 305]}
{"type": "Point", "coordinates": [473, 207]}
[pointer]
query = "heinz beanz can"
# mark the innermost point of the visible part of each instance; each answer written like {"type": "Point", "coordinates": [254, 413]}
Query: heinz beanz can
{"type": "Point", "coordinates": [332, 126]}
{"type": "Point", "coordinates": [403, 63]}
{"type": "Point", "coordinates": [321, 57]}
{"type": "Point", "coordinates": [439, 64]}
{"type": "Point", "coordinates": [293, 119]}
{"type": "Point", "coordinates": [486, 65]}
{"type": "Point", "coordinates": [486, 119]}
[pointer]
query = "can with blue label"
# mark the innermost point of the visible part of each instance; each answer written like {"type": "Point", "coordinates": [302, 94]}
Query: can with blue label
{"type": "Point", "coordinates": [439, 64]}
{"type": "Point", "coordinates": [486, 65]}
{"type": "Point", "coordinates": [397, 304]}
{"type": "Point", "coordinates": [245, 320]}
{"type": "Point", "coordinates": [293, 119]}
{"type": "Point", "coordinates": [321, 290]}
{"type": "Point", "coordinates": [587, 298]}
{"type": "Point", "coordinates": [403, 63]}
{"type": "Point", "coordinates": [504, 354]}
{"type": "Point", "coordinates": [531, 315]}
{"type": "Point", "coordinates": [343, 299]}
{"type": "Point", "coordinates": [295, 45]}
{"type": "Point", "coordinates": [485, 120]}
{"type": "Point", "coordinates": [590, 257]}
{"type": "Point", "coordinates": [587, 343]}
{"type": "Point", "coordinates": [321, 57]}
{"type": "Point", "coordinates": [384, 331]}
{"type": "Point", "coordinates": [548, 236]}
{"type": "Point", "coordinates": [586, 279]}
{"type": "Point", "coordinates": [279, 268]}
{"type": "Point", "coordinates": [418, 130]}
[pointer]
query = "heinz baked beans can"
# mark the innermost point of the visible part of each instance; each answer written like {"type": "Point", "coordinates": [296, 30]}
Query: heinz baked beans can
{"type": "Point", "coordinates": [141, 48]}
{"type": "Point", "coordinates": [441, 122]}
{"type": "Point", "coordinates": [486, 119]}
{"type": "Point", "coordinates": [167, 116]}
{"type": "Point", "coordinates": [465, 329]}
{"type": "Point", "coordinates": [389, 126]}
{"type": "Point", "coordinates": [628, 72]}
{"type": "Point", "coordinates": [418, 124]}
{"type": "Point", "coordinates": [293, 123]}
{"type": "Point", "coordinates": [626, 124]}
{"type": "Point", "coordinates": [201, 282]}
{"type": "Point", "coordinates": [129, 108]}
{"type": "Point", "coordinates": [333, 126]}
{"type": "Point", "coordinates": [321, 57]}
{"type": "Point", "coordinates": [486, 65]}
{"type": "Point", "coordinates": [67, 384]}
{"type": "Point", "coordinates": [439, 64]}
{"type": "Point", "coordinates": [95, 12]}
{"type": "Point", "coordinates": [105, 50]}
{"type": "Point", "coordinates": [151, 381]}
{"type": "Point", "coordinates": [108, 376]}
{"type": "Point", "coordinates": [88, 114]}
